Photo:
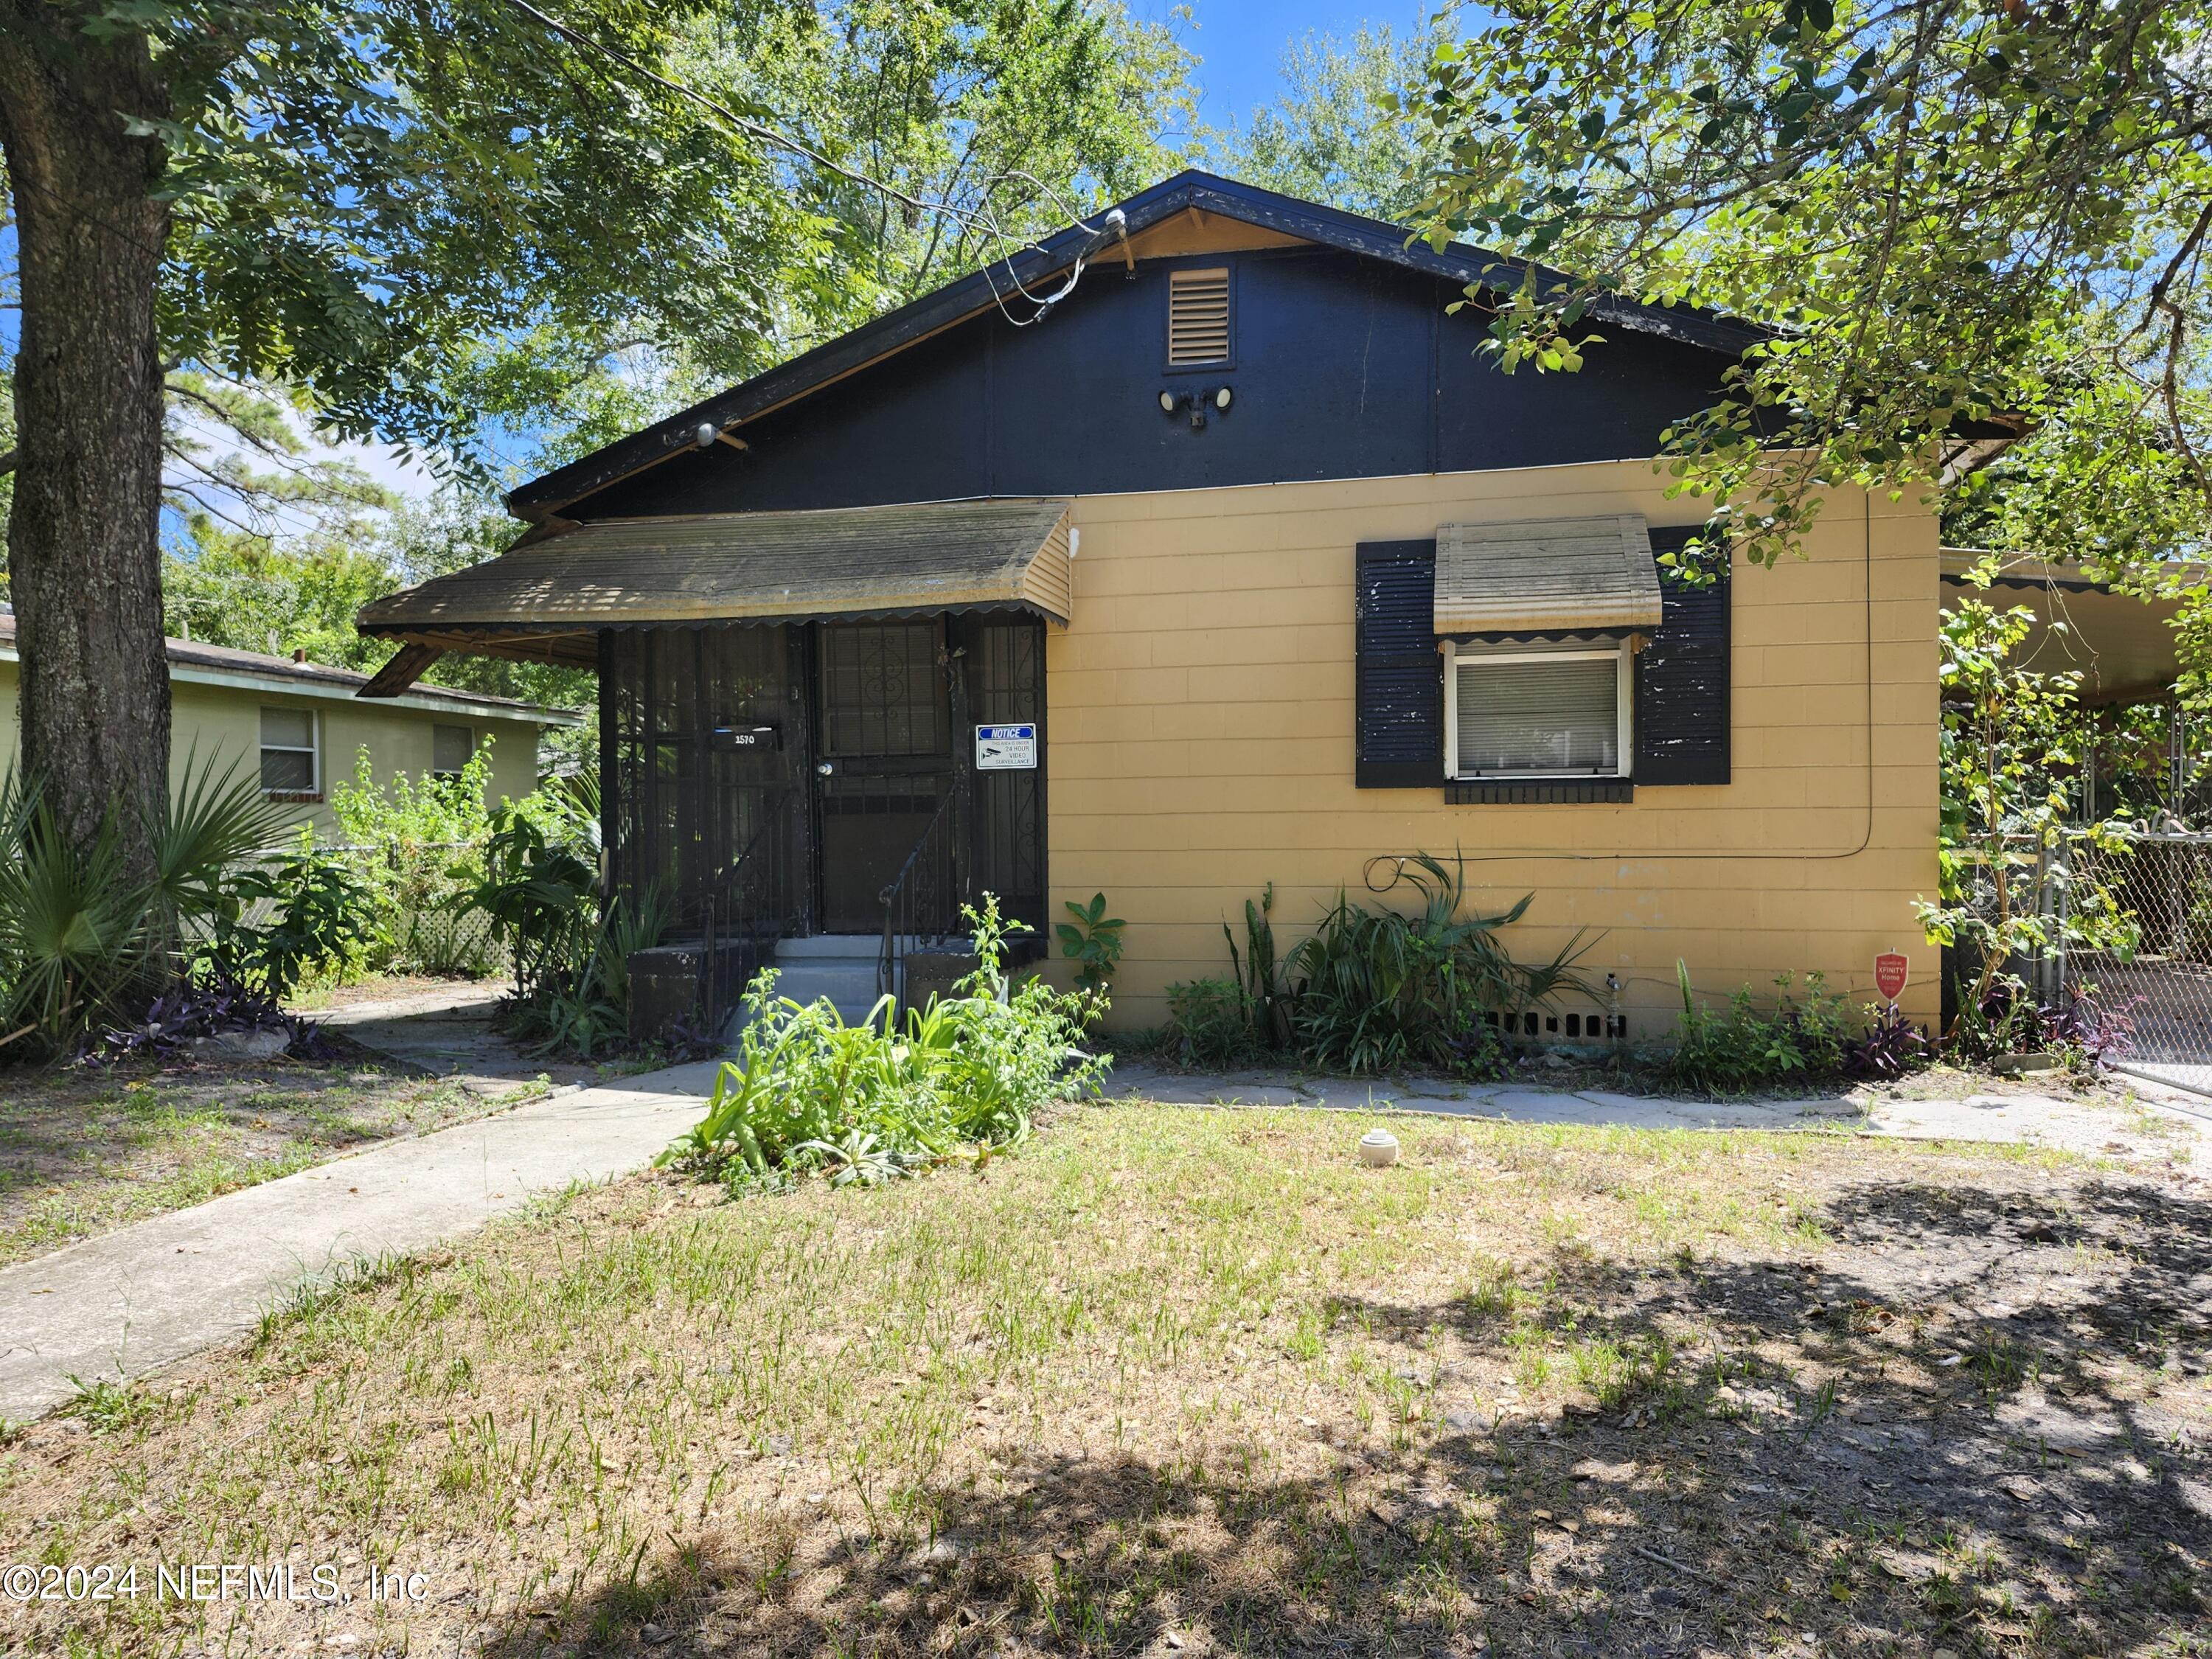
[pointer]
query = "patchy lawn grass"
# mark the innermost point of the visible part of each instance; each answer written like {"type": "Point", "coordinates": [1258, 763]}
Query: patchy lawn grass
{"type": "Point", "coordinates": [1169, 1380]}
{"type": "Point", "coordinates": [86, 1150]}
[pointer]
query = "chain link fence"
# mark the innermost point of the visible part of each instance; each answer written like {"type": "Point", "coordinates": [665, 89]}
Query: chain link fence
{"type": "Point", "coordinates": [2164, 879]}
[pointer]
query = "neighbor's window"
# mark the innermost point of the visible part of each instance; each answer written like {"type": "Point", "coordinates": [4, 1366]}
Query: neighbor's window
{"type": "Point", "coordinates": [451, 746]}
{"type": "Point", "coordinates": [288, 751]}
{"type": "Point", "coordinates": [1521, 713]}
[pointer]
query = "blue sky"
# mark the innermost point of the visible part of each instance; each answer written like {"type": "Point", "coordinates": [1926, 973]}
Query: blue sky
{"type": "Point", "coordinates": [1242, 41]}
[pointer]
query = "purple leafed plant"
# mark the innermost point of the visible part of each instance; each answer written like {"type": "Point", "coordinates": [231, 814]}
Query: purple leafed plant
{"type": "Point", "coordinates": [208, 1006]}
{"type": "Point", "coordinates": [2103, 1034]}
{"type": "Point", "coordinates": [1890, 1045]}
{"type": "Point", "coordinates": [2009, 1020]}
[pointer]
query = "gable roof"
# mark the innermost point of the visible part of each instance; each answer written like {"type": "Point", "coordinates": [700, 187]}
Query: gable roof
{"type": "Point", "coordinates": [1279, 217]}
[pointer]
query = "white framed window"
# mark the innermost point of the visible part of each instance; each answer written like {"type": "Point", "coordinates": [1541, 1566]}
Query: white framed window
{"type": "Point", "coordinates": [450, 747]}
{"type": "Point", "coordinates": [290, 763]}
{"type": "Point", "coordinates": [1539, 711]}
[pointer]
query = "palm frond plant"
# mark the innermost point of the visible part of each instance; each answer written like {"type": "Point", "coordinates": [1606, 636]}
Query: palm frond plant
{"type": "Point", "coordinates": [81, 938]}
{"type": "Point", "coordinates": [73, 925]}
{"type": "Point", "coordinates": [217, 821]}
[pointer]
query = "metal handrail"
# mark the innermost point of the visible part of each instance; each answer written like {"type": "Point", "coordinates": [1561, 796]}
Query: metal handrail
{"type": "Point", "coordinates": [905, 889]}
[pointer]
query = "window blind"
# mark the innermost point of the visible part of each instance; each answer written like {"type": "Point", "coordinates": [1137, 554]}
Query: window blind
{"type": "Point", "coordinates": [1521, 716]}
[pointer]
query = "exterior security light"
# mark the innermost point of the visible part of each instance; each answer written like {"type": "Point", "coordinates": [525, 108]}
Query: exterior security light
{"type": "Point", "coordinates": [704, 437]}
{"type": "Point", "coordinates": [1221, 398]}
{"type": "Point", "coordinates": [1167, 402]}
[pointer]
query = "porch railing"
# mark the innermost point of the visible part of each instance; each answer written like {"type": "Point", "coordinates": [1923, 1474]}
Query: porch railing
{"type": "Point", "coordinates": [917, 904]}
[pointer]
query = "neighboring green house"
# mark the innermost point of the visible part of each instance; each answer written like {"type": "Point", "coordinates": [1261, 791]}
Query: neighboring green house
{"type": "Point", "coordinates": [301, 725]}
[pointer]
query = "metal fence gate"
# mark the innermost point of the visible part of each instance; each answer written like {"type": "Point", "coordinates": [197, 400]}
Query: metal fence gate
{"type": "Point", "coordinates": [2165, 985]}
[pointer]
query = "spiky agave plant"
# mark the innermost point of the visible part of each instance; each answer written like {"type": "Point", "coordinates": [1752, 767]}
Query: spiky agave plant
{"type": "Point", "coordinates": [1378, 988]}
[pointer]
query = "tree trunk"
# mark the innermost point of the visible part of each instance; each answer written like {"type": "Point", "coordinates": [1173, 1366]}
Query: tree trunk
{"type": "Point", "coordinates": [84, 534]}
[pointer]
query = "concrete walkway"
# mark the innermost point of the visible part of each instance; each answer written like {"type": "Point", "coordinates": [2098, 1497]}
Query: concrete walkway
{"type": "Point", "coordinates": [136, 1300]}
{"type": "Point", "coordinates": [448, 1032]}
{"type": "Point", "coordinates": [2163, 1124]}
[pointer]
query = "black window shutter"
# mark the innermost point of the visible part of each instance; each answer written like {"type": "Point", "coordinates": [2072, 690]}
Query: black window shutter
{"type": "Point", "coordinates": [1682, 681]}
{"type": "Point", "coordinates": [1399, 698]}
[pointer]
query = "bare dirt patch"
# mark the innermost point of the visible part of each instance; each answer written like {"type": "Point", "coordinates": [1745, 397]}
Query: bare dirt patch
{"type": "Point", "coordinates": [1189, 1382]}
{"type": "Point", "coordinates": [381, 987]}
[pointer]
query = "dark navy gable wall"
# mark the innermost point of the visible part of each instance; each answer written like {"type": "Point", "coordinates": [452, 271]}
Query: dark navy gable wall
{"type": "Point", "coordinates": [1345, 367]}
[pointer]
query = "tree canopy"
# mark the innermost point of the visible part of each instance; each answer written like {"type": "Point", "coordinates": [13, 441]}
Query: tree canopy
{"type": "Point", "coordinates": [968, 126]}
{"type": "Point", "coordinates": [1346, 128]}
{"type": "Point", "coordinates": [1947, 211]}
{"type": "Point", "coordinates": [488, 232]}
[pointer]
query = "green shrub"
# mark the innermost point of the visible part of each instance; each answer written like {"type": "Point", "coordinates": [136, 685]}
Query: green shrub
{"type": "Point", "coordinates": [82, 941]}
{"type": "Point", "coordinates": [418, 843]}
{"type": "Point", "coordinates": [318, 913]}
{"type": "Point", "coordinates": [1210, 1021]}
{"type": "Point", "coordinates": [540, 898]}
{"type": "Point", "coordinates": [866, 1102]}
{"type": "Point", "coordinates": [571, 951]}
{"type": "Point", "coordinates": [1371, 989]}
{"type": "Point", "coordinates": [1745, 1048]}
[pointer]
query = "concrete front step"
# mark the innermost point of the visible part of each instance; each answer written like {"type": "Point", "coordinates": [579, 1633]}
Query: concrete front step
{"type": "Point", "coordinates": [839, 968]}
{"type": "Point", "coordinates": [834, 946]}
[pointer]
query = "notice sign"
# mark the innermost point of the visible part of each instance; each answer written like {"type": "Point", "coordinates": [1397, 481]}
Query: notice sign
{"type": "Point", "coordinates": [1889, 970]}
{"type": "Point", "coordinates": [1005, 748]}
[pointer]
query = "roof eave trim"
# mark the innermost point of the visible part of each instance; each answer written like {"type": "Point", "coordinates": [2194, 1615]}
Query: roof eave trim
{"type": "Point", "coordinates": [428, 700]}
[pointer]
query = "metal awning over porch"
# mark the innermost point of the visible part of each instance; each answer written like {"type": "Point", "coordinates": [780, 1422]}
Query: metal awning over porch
{"type": "Point", "coordinates": [547, 599]}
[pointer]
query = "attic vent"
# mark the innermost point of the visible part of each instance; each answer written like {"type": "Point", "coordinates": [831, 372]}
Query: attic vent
{"type": "Point", "coordinates": [1197, 318]}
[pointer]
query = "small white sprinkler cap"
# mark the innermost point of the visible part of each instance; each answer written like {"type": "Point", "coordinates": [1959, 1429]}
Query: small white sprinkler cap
{"type": "Point", "coordinates": [1378, 1149]}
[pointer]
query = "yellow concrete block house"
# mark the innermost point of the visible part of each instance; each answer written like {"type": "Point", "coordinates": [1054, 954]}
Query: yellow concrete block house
{"type": "Point", "coordinates": [1208, 553]}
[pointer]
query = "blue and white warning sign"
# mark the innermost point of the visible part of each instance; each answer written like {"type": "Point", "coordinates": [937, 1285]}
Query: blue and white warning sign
{"type": "Point", "coordinates": [1005, 748]}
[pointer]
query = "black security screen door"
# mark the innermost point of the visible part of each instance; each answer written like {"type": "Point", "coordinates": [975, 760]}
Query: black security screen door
{"type": "Point", "coordinates": [884, 764]}
{"type": "Point", "coordinates": [705, 762]}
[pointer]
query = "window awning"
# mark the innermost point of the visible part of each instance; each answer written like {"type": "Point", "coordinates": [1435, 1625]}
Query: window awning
{"type": "Point", "coordinates": [547, 599]}
{"type": "Point", "coordinates": [1585, 575]}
